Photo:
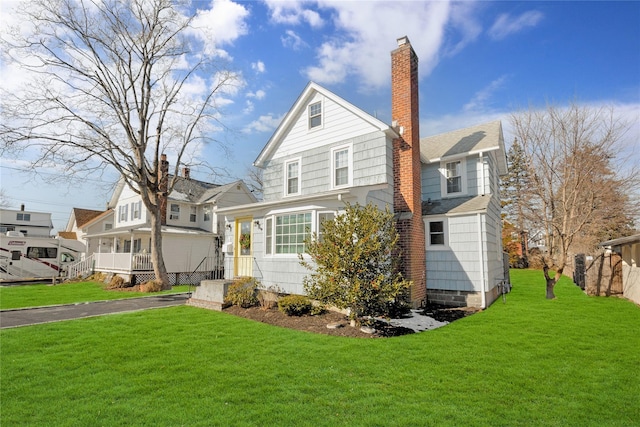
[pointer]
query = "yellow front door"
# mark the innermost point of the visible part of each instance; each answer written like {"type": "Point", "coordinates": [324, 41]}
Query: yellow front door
{"type": "Point", "coordinates": [243, 248]}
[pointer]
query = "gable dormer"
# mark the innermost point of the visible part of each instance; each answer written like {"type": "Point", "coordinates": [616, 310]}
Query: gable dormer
{"type": "Point", "coordinates": [464, 162]}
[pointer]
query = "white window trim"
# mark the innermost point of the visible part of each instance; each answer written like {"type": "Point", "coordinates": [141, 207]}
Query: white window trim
{"type": "Point", "coordinates": [322, 117]}
{"type": "Point", "coordinates": [349, 183]}
{"type": "Point", "coordinates": [123, 213]}
{"type": "Point", "coordinates": [136, 210]}
{"type": "Point", "coordinates": [445, 227]}
{"type": "Point", "coordinates": [463, 176]}
{"type": "Point", "coordinates": [172, 213]}
{"type": "Point", "coordinates": [281, 212]}
{"type": "Point", "coordinates": [286, 177]}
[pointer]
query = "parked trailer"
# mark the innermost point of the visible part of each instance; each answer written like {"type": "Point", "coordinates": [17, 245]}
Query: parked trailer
{"type": "Point", "coordinates": [28, 258]}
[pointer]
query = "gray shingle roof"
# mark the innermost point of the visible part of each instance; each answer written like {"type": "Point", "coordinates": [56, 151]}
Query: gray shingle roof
{"type": "Point", "coordinates": [471, 140]}
{"type": "Point", "coordinates": [194, 191]}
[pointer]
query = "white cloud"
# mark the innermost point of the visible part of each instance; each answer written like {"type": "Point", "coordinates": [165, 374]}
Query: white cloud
{"type": "Point", "coordinates": [506, 24]}
{"type": "Point", "coordinates": [479, 100]}
{"type": "Point", "coordinates": [366, 31]}
{"type": "Point", "coordinates": [293, 40]}
{"type": "Point", "coordinates": [293, 13]}
{"type": "Point", "coordinates": [258, 67]}
{"type": "Point", "coordinates": [266, 123]}
{"type": "Point", "coordinates": [221, 24]}
{"type": "Point", "coordinates": [259, 94]}
{"type": "Point", "coordinates": [249, 107]}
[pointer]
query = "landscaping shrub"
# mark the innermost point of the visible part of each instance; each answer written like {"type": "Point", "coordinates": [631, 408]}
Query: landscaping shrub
{"type": "Point", "coordinates": [295, 305]}
{"type": "Point", "coordinates": [354, 263]}
{"type": "Point", "coordinates": [243, 292]}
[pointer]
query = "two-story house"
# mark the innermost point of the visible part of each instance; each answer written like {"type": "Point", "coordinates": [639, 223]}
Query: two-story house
{"type": "Point", "coordinates": [29, 223]}
{"type": "Point", "coordinates": [443, 191]}
{"type": "Point", "coordinates": [119, 240]}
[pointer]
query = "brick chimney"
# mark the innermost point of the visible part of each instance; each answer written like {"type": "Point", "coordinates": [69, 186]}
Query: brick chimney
{"type": "Point", "coordinates": [163, 186]}
{"type": "Point", "coordinates": [407, 187]}
{"type": "Point", "coordinates": [186, 172]}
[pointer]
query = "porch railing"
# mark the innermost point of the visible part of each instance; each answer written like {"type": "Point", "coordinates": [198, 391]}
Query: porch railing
{"type": "Point", "coordinates": [81, 268]}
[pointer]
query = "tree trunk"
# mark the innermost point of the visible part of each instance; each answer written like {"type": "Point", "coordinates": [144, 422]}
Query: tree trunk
{"type": "Point", "coordinates": [156, 252]}
{"type": "Point", "coordinates": [551, 283]}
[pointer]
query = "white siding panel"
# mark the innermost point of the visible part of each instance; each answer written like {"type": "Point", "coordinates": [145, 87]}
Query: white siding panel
{"type": "Point", "coordinates": [338, 124]}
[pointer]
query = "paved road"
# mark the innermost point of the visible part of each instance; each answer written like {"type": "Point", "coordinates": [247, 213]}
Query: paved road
{"type": "Point", "coordinates": [33, 316]}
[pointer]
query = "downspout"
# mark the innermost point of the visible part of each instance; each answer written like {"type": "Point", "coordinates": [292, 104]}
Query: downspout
{"type": "Point", "coordinates": [481, 252]}
{"type": "Point", "coordinates": [482, 178]}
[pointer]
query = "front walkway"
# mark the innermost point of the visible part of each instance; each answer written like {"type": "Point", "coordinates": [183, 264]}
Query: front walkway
{"type": "Point", "coordinates": [37, 315]}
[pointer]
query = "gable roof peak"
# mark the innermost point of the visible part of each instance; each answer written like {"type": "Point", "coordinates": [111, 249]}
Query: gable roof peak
{"type": "Point", "coordinates": [300, 105]}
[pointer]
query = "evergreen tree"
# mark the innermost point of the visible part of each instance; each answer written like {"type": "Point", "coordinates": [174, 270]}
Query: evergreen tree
{"type": "Point", "coordinates": [515, 195]}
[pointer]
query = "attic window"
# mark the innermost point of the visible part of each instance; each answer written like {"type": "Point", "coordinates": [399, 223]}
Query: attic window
{"type": "Point", "coordinates": [315, 115]}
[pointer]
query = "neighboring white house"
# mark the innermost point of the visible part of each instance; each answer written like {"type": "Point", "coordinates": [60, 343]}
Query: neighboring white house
{"type": "Point", "coordinates": [629, 250]}
{"type": "Point", "coordinates": [29, 223]}
{"type": "Point", "coordinates": [119, 239]}
{"type": "Point", "coordinates": [327, 151]}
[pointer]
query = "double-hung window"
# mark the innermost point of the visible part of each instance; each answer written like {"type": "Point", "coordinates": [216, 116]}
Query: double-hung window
{"type": "Point", "coordinates": [268, 236]}
{"type": "Point", "coordinates": [136, 208]}
{"type": "Point", "coordinates": [23, 217]}
{"type": "Point", "coordinates": [341, 166]}
{"type": "Point", "coordinates": [206, 213]}
{"type": "Point", "coordinates": [292, 177]}
{"type": "Point", "coordinates": [322, 218]}
{"type": "Point", "coordinates": [193, 214]}
{"type": "Point", "coordinates": [123, 211]}
{"type": "Point", "coordinates": [454, 177]}
{"type": "Point", "coordinates": [175, 211]}
{"type": "Point", "coordinates": [315, 115]}
{"type": "Point", "coordinates": [438, 234]}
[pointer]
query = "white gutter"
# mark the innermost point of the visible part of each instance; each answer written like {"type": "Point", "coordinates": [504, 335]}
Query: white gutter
{"type": "Point", "coordinates": [481, 252]}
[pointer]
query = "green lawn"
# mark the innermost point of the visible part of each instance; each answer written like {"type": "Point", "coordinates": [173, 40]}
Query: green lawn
{"type": "Point", "coordinates": [573, 361]}
{"type": "Point", "coordinates": [65, 293]}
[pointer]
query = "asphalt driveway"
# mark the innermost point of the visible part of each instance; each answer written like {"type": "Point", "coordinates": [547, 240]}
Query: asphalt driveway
{"type": "Point", "coordinates": [34, 316]}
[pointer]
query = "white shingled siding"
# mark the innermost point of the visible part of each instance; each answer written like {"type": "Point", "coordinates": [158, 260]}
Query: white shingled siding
{"type": "Point", "coordinates": [430, 176]}
{"type": "Point", "coordinates": [456, 268]}
{"type": "Point", "coordinates": [338, 124]}
{"type": "Point", "coordinates": [371, 154]}
{"type": "Point", "coordinates": [183, 253]}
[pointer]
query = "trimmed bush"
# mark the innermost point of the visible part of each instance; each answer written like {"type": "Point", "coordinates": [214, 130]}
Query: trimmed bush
{"type": "Point", "coordinates": [295, 305]}
{"type": "Point", "coordinates": [243, 292]}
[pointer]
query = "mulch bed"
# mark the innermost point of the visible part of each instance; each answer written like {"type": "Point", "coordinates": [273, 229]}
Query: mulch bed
{"type": "Point", "coordinates": [318, 323]}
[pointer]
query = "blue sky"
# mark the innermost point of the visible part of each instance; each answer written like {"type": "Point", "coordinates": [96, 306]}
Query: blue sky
{"type": "Point", "coordinates": [479, 61]}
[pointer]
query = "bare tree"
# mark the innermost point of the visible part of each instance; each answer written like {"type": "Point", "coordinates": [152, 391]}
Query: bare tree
{"type": "Point", "coordinates": [116, 85]}
{"type": "Point", "coordinates": [569, 154]}
{"type": "Point", "coordinates": [4, 199]}
{"type": "Point", "coordinates": [255, 181]}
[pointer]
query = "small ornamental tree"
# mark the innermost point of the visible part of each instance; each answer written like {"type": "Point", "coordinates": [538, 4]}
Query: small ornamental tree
{"type": "Point", "coordinates": [354, 263]}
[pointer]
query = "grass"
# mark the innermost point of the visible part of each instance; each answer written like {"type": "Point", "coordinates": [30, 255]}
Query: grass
{"type": "Point", "coordinates": [572, 361]}
{"type": "Point", "coordinates": [66, 293]}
